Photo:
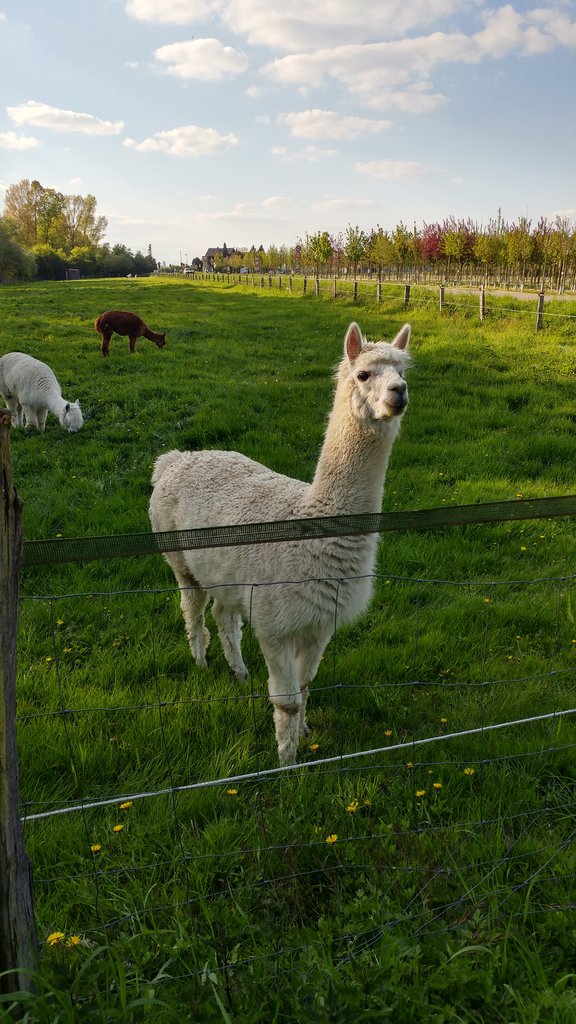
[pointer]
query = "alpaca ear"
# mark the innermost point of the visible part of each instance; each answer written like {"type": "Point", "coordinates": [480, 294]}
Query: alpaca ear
{"type": "Point", "coordinates": [67, 409]}
{"type": "Point", "coordinates": [403, 337]}
{"type": "Point", "coordinates": [353, 341]}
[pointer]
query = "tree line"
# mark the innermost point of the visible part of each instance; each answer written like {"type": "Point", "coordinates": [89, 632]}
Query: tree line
{"type": "Point", "coordinates": [540, 256]}
{"type": "Point", "coordinates": [45, 234]}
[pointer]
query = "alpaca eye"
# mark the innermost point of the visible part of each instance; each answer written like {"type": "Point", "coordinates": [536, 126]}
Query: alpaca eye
{"type": "Point", "coordinates": [363, 375]}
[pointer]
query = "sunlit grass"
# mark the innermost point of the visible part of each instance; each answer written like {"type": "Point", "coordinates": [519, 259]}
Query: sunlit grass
{"type": "Point", "coordinates": [201, 897]}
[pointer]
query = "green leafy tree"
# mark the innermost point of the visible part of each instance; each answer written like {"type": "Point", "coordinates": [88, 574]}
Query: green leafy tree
{"type": "Point", "coordinates": [16, 263]}
{"type": "Point", "coordinates": [317, 251]}
{"type": "Point", "coordinates": [379, 250]}
{"type": "Point", "coordinates": [355, 247]}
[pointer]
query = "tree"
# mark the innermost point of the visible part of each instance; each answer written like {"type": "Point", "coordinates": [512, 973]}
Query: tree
{"type": "Point", "coordinates": [355, 247]}
{"type": "Point", "coordinates": [317, 250]}
{"type": "Point", "coordinates": [16, 264]}
{"type": "Point", "coordinates": [47, 217]}
{"type": "Point", "coordinates": [379, 250]}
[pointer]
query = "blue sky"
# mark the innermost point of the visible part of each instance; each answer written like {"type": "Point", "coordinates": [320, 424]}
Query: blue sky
{"type": "Point", "coordinates": [199, 122]}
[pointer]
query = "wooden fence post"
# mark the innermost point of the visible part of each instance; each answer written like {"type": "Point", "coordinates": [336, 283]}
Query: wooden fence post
{"type": "Point", "coordinates": [441, 297]}
{"type": "Point", "coordinates": [355, 291]}
{"type": "Point", "coordinates": [18, 945]}
{"type": "Point", "coordinates": [317, 285]}
{"type": "Point", "coordinates": [406, 295]}
{"type": "Point", "coordinates": [540, 316]}
{"type": "Point", "coordinates": [334, 287]}
{"type": "Point", "coordinates": [379, 291]}
{"type": "Point", "coordinates": [304, 285]}
{"type": "Point", "coordinates": [482, 302]}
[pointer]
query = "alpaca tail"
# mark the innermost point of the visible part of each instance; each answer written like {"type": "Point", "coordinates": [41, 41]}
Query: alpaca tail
{"type": "Point", "coordinates": [162, 463]}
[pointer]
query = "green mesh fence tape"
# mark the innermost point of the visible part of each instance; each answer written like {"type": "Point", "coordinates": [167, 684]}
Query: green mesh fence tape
{"type": "Point", "coordinates": [85, 549]}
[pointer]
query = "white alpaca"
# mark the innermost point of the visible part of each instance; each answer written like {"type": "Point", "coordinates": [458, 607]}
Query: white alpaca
{"type": "Point", "coordinates": [31, 390]}
{"type": "Point", "coordinates": [294, 593]}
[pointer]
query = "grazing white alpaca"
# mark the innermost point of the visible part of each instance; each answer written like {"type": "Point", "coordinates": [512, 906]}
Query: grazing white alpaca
{"type": "Point", "coordinates": [319, 584]}
{"type": "Point", "coordinates": [31, 390]}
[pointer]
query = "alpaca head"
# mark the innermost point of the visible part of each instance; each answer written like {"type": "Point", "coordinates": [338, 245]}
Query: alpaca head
{"type": "Point", "coordinates": [375, 374]}
{"type": "Point", "coordinates": [71, 418]}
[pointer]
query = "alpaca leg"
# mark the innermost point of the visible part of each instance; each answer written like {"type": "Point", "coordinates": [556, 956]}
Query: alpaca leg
{"type": "Point", "coordinates": [41, 419]}
{"type": "Point", "coordinates": [15, 409]}
{"type": "Point", "coordinates": [193, 601]}
{"type": "Point", "coordinates": [309, 651]}
{"type": "Point", "coordinates": [132, 338]}
{"type": "Point", "coordinates": [230, 633]}
{"type": "Point", "coordinates": [105, 343]}
{"type": "Point", "coordinates": [30, 415]}
{"type": "Point", "coordinates": [284, 693]}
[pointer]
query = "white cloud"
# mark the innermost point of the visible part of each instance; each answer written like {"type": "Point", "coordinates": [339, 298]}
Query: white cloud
{"type": "Point", "coordinates": [392, 169]}
{"type": "Point", "coordinates": [289, 25]}
{"type": "Point", "coordinates": [171, 12]}
{"type": "Point", "coordinates": [43, 116]}
{"type": "Point", "coordinates": [190, 140]}
{"type": "Point", "coordinates": [310, 154]}
{"type": "Point", "coordinates": [327, 124]}
{"type": "Point", "coordinates": [9, 140]}
{"type": "Point", "coordinates": [340, 203]}
{"type": "Point", "coordinates": [202, 59]}
{"type": "Point", "coordinates": [396, 73]}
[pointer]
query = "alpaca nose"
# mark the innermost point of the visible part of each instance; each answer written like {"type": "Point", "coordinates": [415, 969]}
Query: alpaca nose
{"type": "Point", "coordinates": [397, 392]}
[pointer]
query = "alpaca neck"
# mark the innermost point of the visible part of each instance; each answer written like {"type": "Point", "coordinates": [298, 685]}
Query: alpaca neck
{"type": "Point", "coordinates": [56, 404]}
{"type": "Point", "coordinates": [350, 473]}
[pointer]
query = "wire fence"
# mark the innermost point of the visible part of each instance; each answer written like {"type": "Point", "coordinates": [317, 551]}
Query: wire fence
{"type": "Point", "coordinates": [430, 791]}
{"type": "Point", "coordinates": [478, 302]}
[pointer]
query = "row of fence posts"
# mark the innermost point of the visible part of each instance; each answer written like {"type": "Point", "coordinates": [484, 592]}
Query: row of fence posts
{"type": "Point", "coordinates": [18, 943]}
{"type": "Point", "coordinates": [279, 278]}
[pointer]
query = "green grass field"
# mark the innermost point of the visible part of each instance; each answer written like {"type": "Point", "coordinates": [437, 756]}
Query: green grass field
{"type": "Point", "coordinates": [448, 892]}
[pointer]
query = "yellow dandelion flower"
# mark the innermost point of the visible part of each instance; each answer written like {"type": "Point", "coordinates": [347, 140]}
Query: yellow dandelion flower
{"type": "Point", "coordinates": [314, 746]}
{"type": "Point", "coordinates": [420, 792]}
{"type": "Point", "coordinates": [126, 805]}
{"type": "Point", "coordinates": [487, 600]}
{"type": "Point", "coordinates": [523, 547]}
{"type": "Point", "coordinates": [410, 764]}
{"type": "Point", "coordinates": [73, 940]}
{"type": "Point", "coordinates": [437, 785]}
{"type": "Point", "coordinates": [55, 938]}
{"type": "Point", "coordinates": [59, 622]}
{"type": "Point", "coordinates": [49, 658]}
{"type": "Point", "coordinates": [67, 650]}
{"type": "Point", "coordinates": [58, 534]}
{"type": "Point", "coordinates": [353, 807]}
{"type": "Point", "coordinates": [367, 803]}
{"type": "Point", "coordinates": [443, 721]}
{"type": "Point", "coordinates": [232, 792]}
{"type": "Point", "coordinates": [117, 828]}
{"type": "Point", "coordinates": [332, 838]}
{"type": "Point", "coordinates": [469, 771]}
{"type": "Point", "coordinates": [95, 848]}
{"type": "Point", "coordinates": [388, 732]}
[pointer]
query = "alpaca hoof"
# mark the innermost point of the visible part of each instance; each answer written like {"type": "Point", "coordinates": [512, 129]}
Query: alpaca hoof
{"type": "Point", "coordinates": [305, 731]}
{"type": "Point", "coordinates": [241, 674]}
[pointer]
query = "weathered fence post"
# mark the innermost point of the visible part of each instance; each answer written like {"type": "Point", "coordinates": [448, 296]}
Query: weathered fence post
{"type": "Point", "coordinates": [304, 285]}
{"type": "Point", "coordinates": [441, 297]}
{"type": "Point", "coordinates": [18, 946]}
{"type": "Point", "coordinates": [540, 316]}
{"type": "Point", "coordinates": [379, 291]}
{"type": "Point", "coordinates": [406, 295]}
{"type": "Point", "coordinates": [482, 302]}
{"type": "Point", "coordinates": [355, 291]}
{"type": "Point", "coordinates": [317, 285]}
{"type": "Point", "coordinates": [334, 287]}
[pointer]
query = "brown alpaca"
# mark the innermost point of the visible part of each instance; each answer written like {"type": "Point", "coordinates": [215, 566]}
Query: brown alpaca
{"type": "Point", "coordinates": [122, 322]}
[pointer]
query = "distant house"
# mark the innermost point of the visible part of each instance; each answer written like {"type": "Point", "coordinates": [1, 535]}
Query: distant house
{"type": "Point", "coordinates": [213, 255]}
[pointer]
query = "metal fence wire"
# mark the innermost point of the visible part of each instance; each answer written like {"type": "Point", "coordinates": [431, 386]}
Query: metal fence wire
{"type": "Point", "coordinates": [426, 820]}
